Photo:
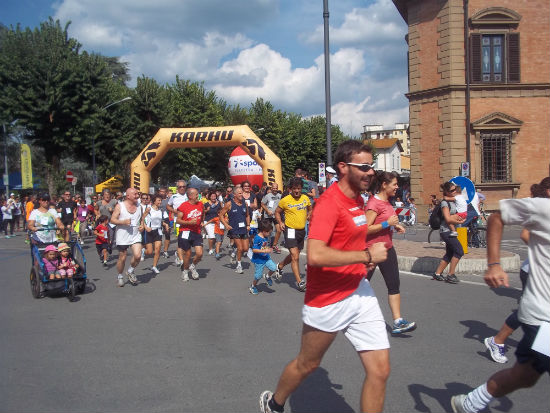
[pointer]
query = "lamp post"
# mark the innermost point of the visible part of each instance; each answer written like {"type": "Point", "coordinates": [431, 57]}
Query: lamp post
{"type": "Point", "coordinates": [94, 175]}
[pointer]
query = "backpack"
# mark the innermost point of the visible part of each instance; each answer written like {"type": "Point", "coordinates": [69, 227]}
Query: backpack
{"type": "Point", "coordinates": [436, 217]}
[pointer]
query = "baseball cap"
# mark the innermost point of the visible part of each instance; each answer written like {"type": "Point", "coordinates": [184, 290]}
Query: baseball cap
{"type": "Point", "coordinates": [330, 170]}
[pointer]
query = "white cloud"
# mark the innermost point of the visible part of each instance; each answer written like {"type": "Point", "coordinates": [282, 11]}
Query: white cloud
{"type": "Point", "coordinates": [225, 47]}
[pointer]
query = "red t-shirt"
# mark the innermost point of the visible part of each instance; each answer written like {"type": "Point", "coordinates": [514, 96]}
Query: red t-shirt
{"type": "Point", "coordinates": [103, 236]}
{"type": "Point", "coordinates": [191, 211]}
{"type": "Point", "coordinates": [340, 222]}
{"type": "Point", "coordinates": [384, 211]}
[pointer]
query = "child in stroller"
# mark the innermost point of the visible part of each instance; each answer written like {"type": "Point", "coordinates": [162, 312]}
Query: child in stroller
{"type": "Point", "coordinates": [67, 265]}
{"type": "Point", "coordinates": [51, 262]}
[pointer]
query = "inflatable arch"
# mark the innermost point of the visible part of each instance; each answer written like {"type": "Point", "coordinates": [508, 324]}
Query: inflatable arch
{"type": "Point", "coordinates": [206, 137]}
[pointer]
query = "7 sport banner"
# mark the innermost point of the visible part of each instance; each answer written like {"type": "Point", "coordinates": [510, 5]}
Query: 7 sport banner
{"type": "Point", "coordinates": [26, 167]}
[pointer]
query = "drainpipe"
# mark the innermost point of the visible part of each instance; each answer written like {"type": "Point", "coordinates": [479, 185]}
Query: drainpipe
{"type": "Point", "coordinates": [467, 72]}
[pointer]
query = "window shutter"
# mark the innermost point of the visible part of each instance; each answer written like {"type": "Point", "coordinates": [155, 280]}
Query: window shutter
{"type": "Point", "coordinates": [475, 58]}
{"type": "Point", "coordinates": [513, 57]}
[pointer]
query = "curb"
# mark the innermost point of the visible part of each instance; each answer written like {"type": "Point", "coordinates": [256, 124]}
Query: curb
{"type": "Point", "coordinates": [465, 265]}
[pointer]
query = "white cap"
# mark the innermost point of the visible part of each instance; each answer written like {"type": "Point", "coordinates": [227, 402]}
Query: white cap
{"type": "Point", "coordinates": [330, 170]}
{"type": "Point", "coordinates": [12, 194]}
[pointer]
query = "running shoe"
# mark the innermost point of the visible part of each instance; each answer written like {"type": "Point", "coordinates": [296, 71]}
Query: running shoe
{"type": "Point", "coordinates": [438, 277]}
{"type": "Point", "coordinates": [233, 258]}
{"type": "Point", "coordinates": [104, 263]}
{"type": "Point", "coordinates": [402, 326]}
{"type": "Point", "coordinates": [301, 285]}
{"type": "Point", "coordinates": [253, 290]}
{"type": "Point", "coordinates": [120, 281]}
{"type": "Point", "coordinates": [276, 249]}
{"type": "Point", "coordinates": [194, 273]}
{"type": "Point", "coordinates": [218, 256]}
{"type": "Point", "coordinates": [268, 280]}
{"type": "Point", "coordinates": [165, 254]}
{"type": "Point", "coordinates": [210, 252]}
{"type": "Point", "coordinates": [278, 275]}
{"type": "Point", "coordinates": [184, 275]}
{"type": "Point", "coordinates": [155, 270]}
{"type": "Point", "coordinates": [132, 277]}
{"type": "Point", "coordinates": [239, 269]}
{"type": "Point", "coordinates": [452, 279]}
{"type": "Point", "coordinates": [457, 403]}
{"type": "Point", "coordinates": [265, 397]}
{"type": "Point", "coordinates": [178, 261]}
{"type": "Point", "coordinates": [496, 350]}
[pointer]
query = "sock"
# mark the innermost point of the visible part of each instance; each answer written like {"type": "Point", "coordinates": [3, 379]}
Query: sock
{"type": "Point", "coordinates": [477, 399]}
{"type": "Point", "coordinates": [119, 276]}
{"type": "Point", "coordinates": [239, 264]}
{"type": "Point", "coordinates": [397, 320]}
{"type": "Point", "coordinates": [276, 407]}
{"type": "Point", "coordinates": [131, 269]}
{"type": "Point", "coordinates": [192, 266]}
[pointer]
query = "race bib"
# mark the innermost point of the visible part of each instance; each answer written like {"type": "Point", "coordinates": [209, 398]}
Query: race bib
{"type": "Point", "coordinates": [291, 233]}
{"type": "Point", "coordinates": [247, 202]}
{"type": "Point", "coordinates": [164, 215]}
{"type": "Point", "coordinates": [68, 210]}
{"type": "Point", "coordinates": [160, 231]}
{"type": "Point", "coordinates": [185, 234]}
{"type": "Point", "coordinates": [241, 225]}
{"type": "Point", "coordinates": [541, 344]}
{"type": "Point", "coordinates": [360, 220]}
{"type": "Point", "coordinates": [222, 226]}
{"type": "Point", "coordinates": [105, 234]}
{"type": "Point", "coordinates": [44, 221]}
{"type": "Point", "coordinates": [84, 213]}
{"type": "Point", "coordinates": [271, 204]}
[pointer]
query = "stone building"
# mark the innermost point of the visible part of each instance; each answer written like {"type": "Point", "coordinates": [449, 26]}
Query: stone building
{"type": "Point", "coordinates": [496, 114]}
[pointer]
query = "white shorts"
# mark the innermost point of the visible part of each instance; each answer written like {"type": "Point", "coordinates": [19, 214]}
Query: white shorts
{"type": "Point", "coordinates": [210, 230]}
{"type": "Point", "coordinates": [358, 316]}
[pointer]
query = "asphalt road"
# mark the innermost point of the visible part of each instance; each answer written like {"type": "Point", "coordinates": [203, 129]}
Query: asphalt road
{"type": "Point", "coordinates": [210, 346]}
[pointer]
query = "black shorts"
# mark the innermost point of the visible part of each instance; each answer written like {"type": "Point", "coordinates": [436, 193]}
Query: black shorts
{"type": "Point", "coordinates": [152, 237]}
{"type": "Point", "coordinates": [236, 236]}
{"type": "Point", "coordinates": [525, 354]}
{"type": "Point", "coordinates": [297, 241]}
{"type": "Point", "coordinates": [167, 233]}
{"type": "Point", "coordinates": [194, 240]}
{"type": "Point", "coordinates": [101, 247]}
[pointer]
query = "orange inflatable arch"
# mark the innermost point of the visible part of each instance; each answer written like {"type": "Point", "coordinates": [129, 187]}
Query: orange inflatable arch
{"type": "Point", "coordinates": [206, 137]}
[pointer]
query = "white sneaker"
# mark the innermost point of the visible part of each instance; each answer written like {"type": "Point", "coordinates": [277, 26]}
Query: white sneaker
{"type": "Point", "coordinates": [210, 252]}
{"type": "Point", "coordinates": [457, 403]}
{"type": "Point", "coordinates": [178, 261]}
{"type": "Point", "coordinates": [155, 270]}
{"type": "Point", "coordinates": [184, 275]}
{"type": "Point", "coordinates": [120, 281]}
{"type": "Point", "coordinates": [132, 277]}
{"type": "Point", "coordinates": [239, 269]}
{"type": "Point", "coordinates": [194, 273]}
{"type": "Point", "coordinates": [496, 350]}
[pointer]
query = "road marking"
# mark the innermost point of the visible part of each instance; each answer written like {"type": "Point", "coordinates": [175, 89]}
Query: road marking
{"type": "Point", "coordinates": [461, 281]}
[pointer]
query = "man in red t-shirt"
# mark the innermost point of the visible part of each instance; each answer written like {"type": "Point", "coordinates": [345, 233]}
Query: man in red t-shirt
{"type": "Point", "coordinates": [190, 218]}
{"type": "Point", "coordinates": [338, 296]}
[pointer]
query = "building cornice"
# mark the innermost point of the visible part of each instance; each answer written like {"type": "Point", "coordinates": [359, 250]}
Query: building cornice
{"type": "Point", "coordinates": [474, 87]}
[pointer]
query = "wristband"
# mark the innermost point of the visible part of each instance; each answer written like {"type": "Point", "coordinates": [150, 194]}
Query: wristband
{"type": "Point", "coordinates": [385, 225]}
{"type": "Point", "coordinates": [368, 254]}
{"type": "Point", "coordinates": [493, 263]}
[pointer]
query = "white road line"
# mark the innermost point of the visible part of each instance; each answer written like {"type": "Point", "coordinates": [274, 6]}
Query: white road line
{"type": "Point", "coordinates": [461, 281]}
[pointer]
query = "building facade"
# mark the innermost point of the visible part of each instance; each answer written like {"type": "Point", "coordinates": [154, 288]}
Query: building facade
{"type": "Point", "coordinates": [400, 132]}
{"type": "Point", "coordinates": [479, 92]}
{"type": "Point", "coordinates": [388, 154]}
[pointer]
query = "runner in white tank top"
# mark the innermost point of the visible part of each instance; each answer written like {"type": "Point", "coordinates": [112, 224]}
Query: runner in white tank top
{"type": "Point", "coordinates": [128, 234]}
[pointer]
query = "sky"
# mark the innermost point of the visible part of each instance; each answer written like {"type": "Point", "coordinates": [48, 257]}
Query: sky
{"type": "Point", "coordinates": [249, 49]}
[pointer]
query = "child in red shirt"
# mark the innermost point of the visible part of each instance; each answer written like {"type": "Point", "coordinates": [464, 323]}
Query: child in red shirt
{"type": "Point", "coordinates": [102, 238]}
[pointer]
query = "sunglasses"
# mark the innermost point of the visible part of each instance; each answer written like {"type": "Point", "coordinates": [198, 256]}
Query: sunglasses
{"type": "Point", "coordinates": [363, 167]}
{"type": "Point", "coordinates": [182, 187]}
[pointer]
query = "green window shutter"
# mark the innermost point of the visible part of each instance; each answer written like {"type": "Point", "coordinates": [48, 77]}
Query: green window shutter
{"type": "Point", "coordinates": [512, 42]}
{"type": "Point", "coordinates": [475, 58]}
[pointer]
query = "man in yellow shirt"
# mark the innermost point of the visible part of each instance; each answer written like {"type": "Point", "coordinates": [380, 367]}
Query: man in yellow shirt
{"type": "Point", "coordinates": [297, 209]}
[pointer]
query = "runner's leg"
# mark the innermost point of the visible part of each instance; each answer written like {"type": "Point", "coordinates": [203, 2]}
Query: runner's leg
{"type": "Point", "coordinates": [377, 369]}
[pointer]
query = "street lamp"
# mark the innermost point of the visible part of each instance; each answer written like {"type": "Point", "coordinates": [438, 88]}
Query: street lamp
{"type": "Point", "coordinates": [94, 175]}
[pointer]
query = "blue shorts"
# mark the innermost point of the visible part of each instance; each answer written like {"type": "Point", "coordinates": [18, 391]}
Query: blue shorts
{"type": "Point", "coordinates": [259, 268]}
{"type": "Point", "coordinates": [525, 354]}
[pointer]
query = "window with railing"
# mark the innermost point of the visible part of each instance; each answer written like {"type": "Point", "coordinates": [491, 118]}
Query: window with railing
{"type": "Point", "coordinates": [496, 159]}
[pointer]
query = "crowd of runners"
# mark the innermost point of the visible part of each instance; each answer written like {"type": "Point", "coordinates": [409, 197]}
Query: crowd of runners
{"type": "Point", "coordinates": [348, 235]}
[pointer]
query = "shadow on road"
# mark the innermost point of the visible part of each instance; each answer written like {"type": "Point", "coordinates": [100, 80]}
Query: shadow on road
{"type": "Point", "coordinates": [443, 397]}
{"type": "Point", "coordinates": [317, 394]}
{"type": "Point", "coordinates": [478, 331]}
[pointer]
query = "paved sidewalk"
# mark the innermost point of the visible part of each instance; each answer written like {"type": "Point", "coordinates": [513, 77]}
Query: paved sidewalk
{"type": "Point", "coordinates": [423, 257]}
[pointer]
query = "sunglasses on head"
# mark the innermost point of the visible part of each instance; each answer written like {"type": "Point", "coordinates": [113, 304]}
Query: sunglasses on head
{"type": "Point", "coordinates": [364, 167]}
